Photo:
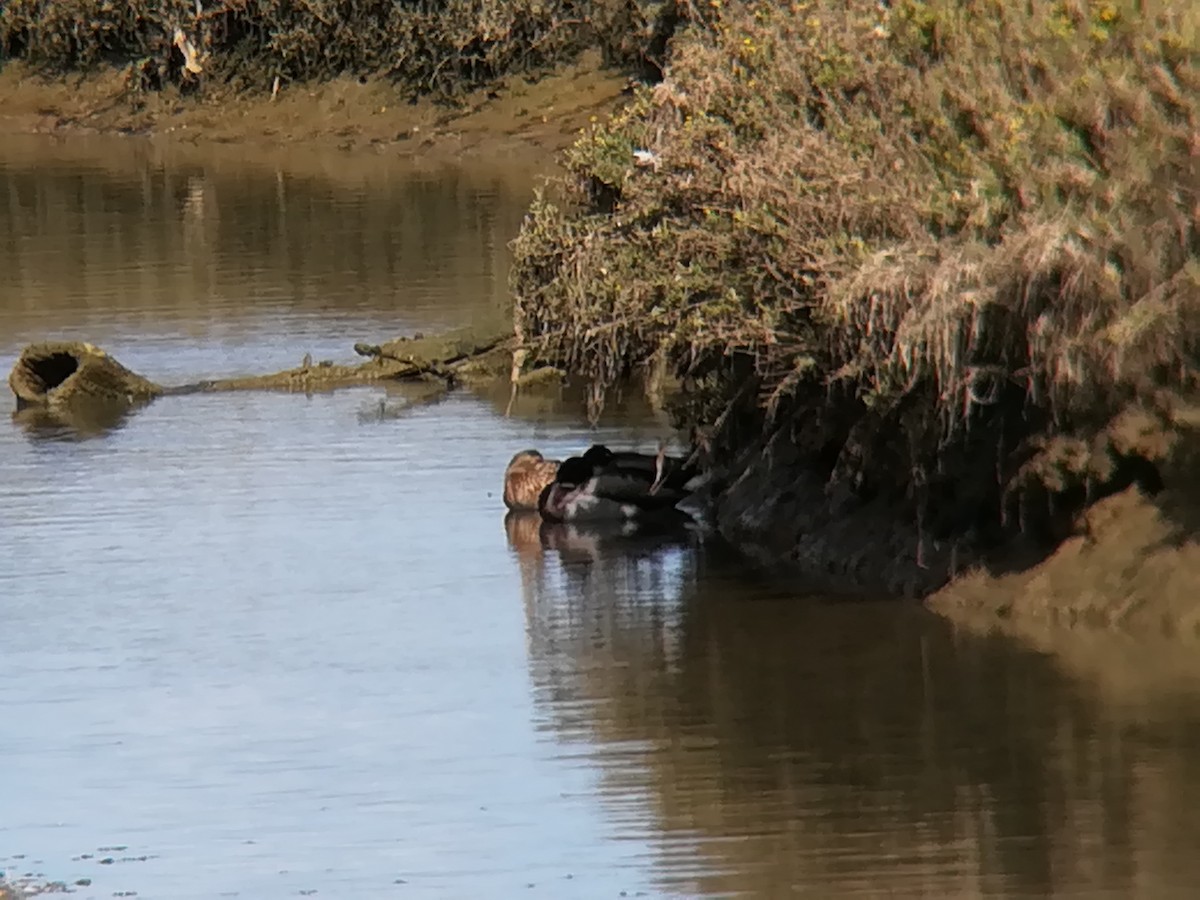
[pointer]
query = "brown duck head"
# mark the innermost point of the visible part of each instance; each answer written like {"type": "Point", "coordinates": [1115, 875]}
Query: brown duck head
{"type": "Point", "coordinates": [526, 477]}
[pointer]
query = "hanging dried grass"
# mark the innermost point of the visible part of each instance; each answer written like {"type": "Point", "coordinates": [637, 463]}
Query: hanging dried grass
{"type": "Point", "coordinates": [990, 209]}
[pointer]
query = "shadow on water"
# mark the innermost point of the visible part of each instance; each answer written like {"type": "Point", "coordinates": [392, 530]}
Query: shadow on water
{"type": "Point", "coordinates": [788, 742]}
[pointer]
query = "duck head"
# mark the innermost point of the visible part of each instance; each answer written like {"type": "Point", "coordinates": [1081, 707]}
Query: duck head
{"type": "Point", "coordinates": [527, 475]}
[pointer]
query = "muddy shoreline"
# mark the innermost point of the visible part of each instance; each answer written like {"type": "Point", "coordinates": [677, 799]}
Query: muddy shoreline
{"type": "Point", "coordinates": [520, 122]}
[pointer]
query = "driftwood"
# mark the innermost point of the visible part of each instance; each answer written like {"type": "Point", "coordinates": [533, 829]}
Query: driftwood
{"type": "Point", "coordinates": [62, 374]}
{"type": "Point", "coordinates": [62, 380]}
{"type": "Point", "coordinates": [452, 357]}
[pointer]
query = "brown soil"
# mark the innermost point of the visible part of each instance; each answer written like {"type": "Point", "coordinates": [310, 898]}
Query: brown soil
{"type": "Point", "coordinates": [1115, 606]}
{"type": "Point", "coordinates": [520, 119]}
{"type": "Point", "coordinates": [1132, 561]}
{"type": "Point", "coordinates": [1132, 566]}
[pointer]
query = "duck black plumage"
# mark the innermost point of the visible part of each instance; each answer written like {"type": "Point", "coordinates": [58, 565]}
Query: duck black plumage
{"type": "Point", "coordinates": [669, 471]}
{"type": "Point", "coordinates": [603, 485]}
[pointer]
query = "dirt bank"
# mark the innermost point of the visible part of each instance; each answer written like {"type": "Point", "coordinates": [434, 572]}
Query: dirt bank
{"type": "Point", "coordinates": [1130, 565]}
{"type": "Point", "coordinates": [520, 119]}
{"type": "Point", "coordinates": [1134, 565]}
{"type": "Point", "coordinates": [1117, 606]}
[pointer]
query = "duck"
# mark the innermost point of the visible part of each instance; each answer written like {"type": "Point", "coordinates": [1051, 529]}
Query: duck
{"type": "Point", "coordinates": [525, 479]}
{"type": "Point", "coordinates": [670, 471]}
{"type": "Point", "coordinates": [584, 490]}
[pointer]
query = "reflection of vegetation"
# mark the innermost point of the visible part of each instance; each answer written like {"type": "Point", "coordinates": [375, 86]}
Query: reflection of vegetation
{"type": "Point", "coordinates": [161, 234]}
{"type": "Point", "coordinates": [561, 402]}
{"type": "Point", "coordinates": [911, 239]}
{"type": "Point", "coordinates": [831, 747]}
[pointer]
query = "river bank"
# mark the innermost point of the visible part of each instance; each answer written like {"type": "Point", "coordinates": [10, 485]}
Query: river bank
{"type": "Point", "coordinates": [929, 306]}
{"type": "Point", "coordinates": [518, 122]}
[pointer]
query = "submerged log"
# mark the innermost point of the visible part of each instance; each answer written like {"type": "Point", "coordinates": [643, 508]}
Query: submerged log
{"type": "Point", "coordinates": [79, 420]}
{"type": "Point", "coordinates": [451, 357]}
{"type": "Point", "coordinates": [61, 374]}
{"type": "Point", "coordinates": [448, 347]}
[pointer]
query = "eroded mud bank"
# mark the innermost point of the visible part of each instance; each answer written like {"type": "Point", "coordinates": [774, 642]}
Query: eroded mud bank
{"type": "Point", "coordinates": [520, 121]}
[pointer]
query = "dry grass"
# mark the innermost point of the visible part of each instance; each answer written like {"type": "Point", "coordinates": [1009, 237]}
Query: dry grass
{"type": "Point", "coordinates": [443, 47]}
{"type": "Point", "coordinates": [918, 225]}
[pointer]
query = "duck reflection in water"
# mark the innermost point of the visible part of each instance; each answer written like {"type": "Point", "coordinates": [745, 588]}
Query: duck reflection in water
{"type": "Point", "coordinates": [531, 536]}
{"type": "Point", "coordinates": [582, 570]}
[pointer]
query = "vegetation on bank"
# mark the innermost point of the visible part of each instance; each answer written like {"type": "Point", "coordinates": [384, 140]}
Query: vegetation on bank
{"type": "Point", "coordinates": [430, 47]}
{"type": "Point", "coordinates": [947, 248]}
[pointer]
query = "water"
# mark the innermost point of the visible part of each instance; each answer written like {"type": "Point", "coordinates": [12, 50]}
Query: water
{"type": "Point", "coordinates": [261, 645]}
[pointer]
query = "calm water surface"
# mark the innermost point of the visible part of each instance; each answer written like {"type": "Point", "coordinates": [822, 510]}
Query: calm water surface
{"type": "Point", "coordinates": [261, 645]}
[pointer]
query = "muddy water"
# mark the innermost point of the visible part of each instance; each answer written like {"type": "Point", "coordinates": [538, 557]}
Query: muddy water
{"type": "Point", "coordinates": [263, 645]}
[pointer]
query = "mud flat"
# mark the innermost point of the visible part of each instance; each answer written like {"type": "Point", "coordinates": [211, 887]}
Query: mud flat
{"type": "Point", "coordinates": [518, 121]}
